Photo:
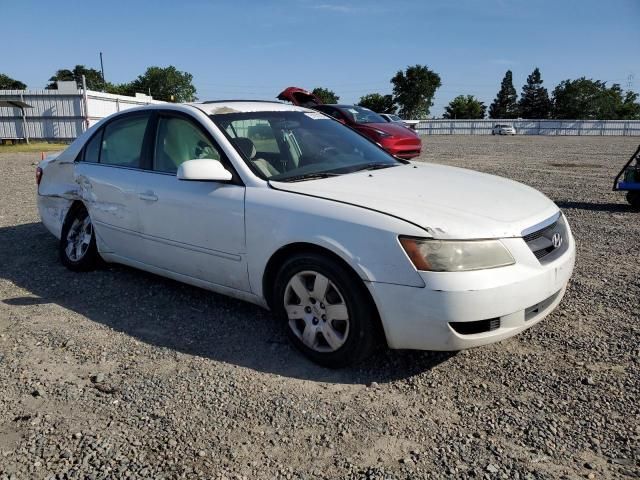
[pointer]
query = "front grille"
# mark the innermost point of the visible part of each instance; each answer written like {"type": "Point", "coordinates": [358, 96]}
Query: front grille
{"type": "Point", "coordinates": [540, 233]}
{"type": "Point", "coordinates": [478, 326]}
{"type": "Point", "coordinates": [541, 242]}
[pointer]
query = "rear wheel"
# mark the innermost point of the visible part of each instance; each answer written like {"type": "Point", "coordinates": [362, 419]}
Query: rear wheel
{"type": "Point", "coordinates": [78, 251]}
{"type": "Point", "coordinates": [633, 197]}
{"type": "Point", "coordinates": [326, 310]}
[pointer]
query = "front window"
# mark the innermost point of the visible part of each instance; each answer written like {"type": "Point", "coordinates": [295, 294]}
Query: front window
{"type": "Point", "coordinates": [362, 115]}
{"type": "Point", "coordinates": [291, 146]}
{"type": "Point", "coordinates": [179, 140]}
{"type": "Point", "coordinates": [395, 118]}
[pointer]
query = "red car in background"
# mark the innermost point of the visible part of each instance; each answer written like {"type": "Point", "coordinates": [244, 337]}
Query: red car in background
{"type": "Point", "coordinates": [396, 139]}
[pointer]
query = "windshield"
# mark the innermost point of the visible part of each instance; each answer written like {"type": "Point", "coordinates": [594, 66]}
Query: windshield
{"type": "Point", "coordinates": [395, 118]}
{"type": "Point", "coordinates": [291, 146]}
{"type": "Point", "coordinates": [362, 115]}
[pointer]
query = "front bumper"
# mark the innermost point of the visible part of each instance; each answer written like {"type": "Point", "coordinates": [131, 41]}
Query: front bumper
{"type": "Point", "coordinates": [404, 147]}
{"type": "Point", "coordinates": [506, 300]}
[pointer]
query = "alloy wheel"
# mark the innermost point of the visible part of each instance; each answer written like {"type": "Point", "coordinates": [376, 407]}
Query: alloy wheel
{"type": "Point", "coordinates": [317, 312]}
{"type": "Point", "coordinates": [79, 238]}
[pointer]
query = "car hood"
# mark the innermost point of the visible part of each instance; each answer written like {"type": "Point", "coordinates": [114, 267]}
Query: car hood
{"type": "Point", "coordinates": [447, 202]}
{"type": "Point", "coordinates": [392, 128]}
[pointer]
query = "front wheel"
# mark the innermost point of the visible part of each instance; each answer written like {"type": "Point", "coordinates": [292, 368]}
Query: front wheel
{"type": "Point", "coordinates": [78, 251]}
{"type": "Point", "coordinates": [633, 197]}
{"type": "Point", "coordinates": [327, 312]}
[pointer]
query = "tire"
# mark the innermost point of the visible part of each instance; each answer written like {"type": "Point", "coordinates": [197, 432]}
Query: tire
{"type": "Point", "coordinates": [78, 251]}
{"type": "Point", "coordinates": [633, 197]}
{"type": "Point", "coordinates": [341, 322]}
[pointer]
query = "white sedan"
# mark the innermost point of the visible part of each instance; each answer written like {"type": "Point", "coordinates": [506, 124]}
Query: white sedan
{"type": "Point", "coordinates": [503, 129]}
{"type": "Point", "coordinates": [393, 118]}
{"type": "Point", "coordinates": [285, 207]}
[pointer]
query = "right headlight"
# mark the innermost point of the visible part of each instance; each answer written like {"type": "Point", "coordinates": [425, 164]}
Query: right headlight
{"type": "Point", "coordinates": [455, 255]}
{"type": "Point", "coordinates": [381, 134]}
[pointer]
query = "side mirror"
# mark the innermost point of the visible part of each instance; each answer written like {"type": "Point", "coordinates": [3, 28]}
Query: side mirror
{"type": "Point", "coordinates": [204, 170]}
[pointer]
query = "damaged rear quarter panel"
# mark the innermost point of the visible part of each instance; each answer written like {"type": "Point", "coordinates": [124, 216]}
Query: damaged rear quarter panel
{"type": "Point", "coordinates": [56, 193]}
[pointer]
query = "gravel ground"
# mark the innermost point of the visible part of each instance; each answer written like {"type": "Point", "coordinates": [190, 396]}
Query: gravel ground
{"type": "Point", "coordinates": [121, 374]}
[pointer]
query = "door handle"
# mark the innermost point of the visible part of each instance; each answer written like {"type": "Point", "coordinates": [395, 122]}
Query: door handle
{"type": "Point", "coordinates": [148, 196]}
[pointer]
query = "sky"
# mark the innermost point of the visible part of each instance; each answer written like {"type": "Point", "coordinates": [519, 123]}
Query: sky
{"type": "Point", "coordinates": [254, 49]}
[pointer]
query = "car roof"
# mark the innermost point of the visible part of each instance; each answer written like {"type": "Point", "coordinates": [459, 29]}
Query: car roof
{"type": "Point", "coordinates": [219, 107]}
{"type": "Point", "coordinates": [340, 105]}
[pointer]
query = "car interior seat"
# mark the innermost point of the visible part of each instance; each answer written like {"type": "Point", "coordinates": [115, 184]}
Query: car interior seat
{"type": "Point", "coordinates": [247, 147]}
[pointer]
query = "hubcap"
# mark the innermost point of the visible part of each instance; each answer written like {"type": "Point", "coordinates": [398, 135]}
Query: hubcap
{"type": "Point", "coordinates": [79, 239]}
{"type": "Point", "coordinates": [317, 312]}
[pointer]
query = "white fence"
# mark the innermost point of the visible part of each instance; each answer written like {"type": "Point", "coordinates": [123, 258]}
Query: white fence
{"type": "Point", "coordinates": [64, 115]}
{"type": "Point", "coordinates": [60, 115]}
{"type": "Point", "coordinates": [531, 127]}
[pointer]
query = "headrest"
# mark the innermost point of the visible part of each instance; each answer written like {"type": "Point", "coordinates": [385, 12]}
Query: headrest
{"type": "Point", "coordinates": [246, 146]}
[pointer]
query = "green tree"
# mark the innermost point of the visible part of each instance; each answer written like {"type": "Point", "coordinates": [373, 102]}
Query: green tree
{"type": "Point", "coordinates": [8, 83]}
{"type": "Point", "coordinates": [92, 76]}
{"type": "Point", "coordinates": [534, 101]}
{"type": "Point", "coordinates": [414, 89]}
{"type": "Point", "coordinates": [378, 103]}
{"type": "Point", "coordinates": [587, 99]}
{"type": "Point", "coordinates": [326, 95]}
{"type": "Point", "coordinates": [630, 108]}
{"type": "Point", "coordinates": [506, 103]}
{"type": "Point", "coordinates": [168, 84]}
{"type": "Point", "coordinates": [465, 107]}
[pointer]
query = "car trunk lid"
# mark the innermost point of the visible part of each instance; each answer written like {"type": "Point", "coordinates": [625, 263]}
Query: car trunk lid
{"type": "Point", "coordinates": [299, 96]}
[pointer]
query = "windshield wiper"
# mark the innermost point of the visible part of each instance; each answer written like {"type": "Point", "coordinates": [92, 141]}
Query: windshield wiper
{"type": "Point", "coordinates": [309, 176]}
{"type": "Point", "coordinates": [373, 166]}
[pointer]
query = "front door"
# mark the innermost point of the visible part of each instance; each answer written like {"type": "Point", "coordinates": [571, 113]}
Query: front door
{"type": "Point", "coordinates": [193, 228]}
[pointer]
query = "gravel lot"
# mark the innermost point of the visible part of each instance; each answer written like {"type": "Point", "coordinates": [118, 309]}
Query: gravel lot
{"type": "Point", "coordinates": [122, 374]}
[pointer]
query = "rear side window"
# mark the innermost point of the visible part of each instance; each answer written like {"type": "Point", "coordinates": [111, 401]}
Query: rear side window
{"type": "Point", "coordinates": [179, 140]}
{"type": "Point", "coordinates": [92, 150]}
{"type": "Point", "coordinates": [258, 131]}
{"type": "Point", "coordinates": [122, 141]}
{"type": "Point", "coordinates": [261, 134]}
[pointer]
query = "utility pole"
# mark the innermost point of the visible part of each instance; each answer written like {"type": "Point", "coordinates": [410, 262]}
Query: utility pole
{"type": "Point", "coordinates": [104, 84]}
{"type": "Point", "coordinates": [85, 104]}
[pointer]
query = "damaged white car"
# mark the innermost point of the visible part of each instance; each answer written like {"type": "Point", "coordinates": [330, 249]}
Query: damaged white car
{"type": "Point", "coordinates": [287, 208]}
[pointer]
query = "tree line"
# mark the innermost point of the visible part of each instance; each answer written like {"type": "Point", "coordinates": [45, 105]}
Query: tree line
{"type": "Point", "coordinates": [413, 91]}
{"type": "Point", "coordinates": [580, 99]}
{"type": "Point", "coordinates": [163, 83]}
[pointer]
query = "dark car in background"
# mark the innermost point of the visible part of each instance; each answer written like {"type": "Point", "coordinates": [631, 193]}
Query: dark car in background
{"type": "Point", "coordinates": [395, 138]}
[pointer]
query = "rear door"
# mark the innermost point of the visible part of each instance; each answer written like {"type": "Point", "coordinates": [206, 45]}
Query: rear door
{"type": "Point", "coordinates": [193, 228]}
{"type": "Point", "coordinates": [109, 174]}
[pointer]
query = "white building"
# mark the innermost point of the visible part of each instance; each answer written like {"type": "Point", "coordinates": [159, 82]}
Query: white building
{"type": "Point", "coordinates": [59, 115]}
